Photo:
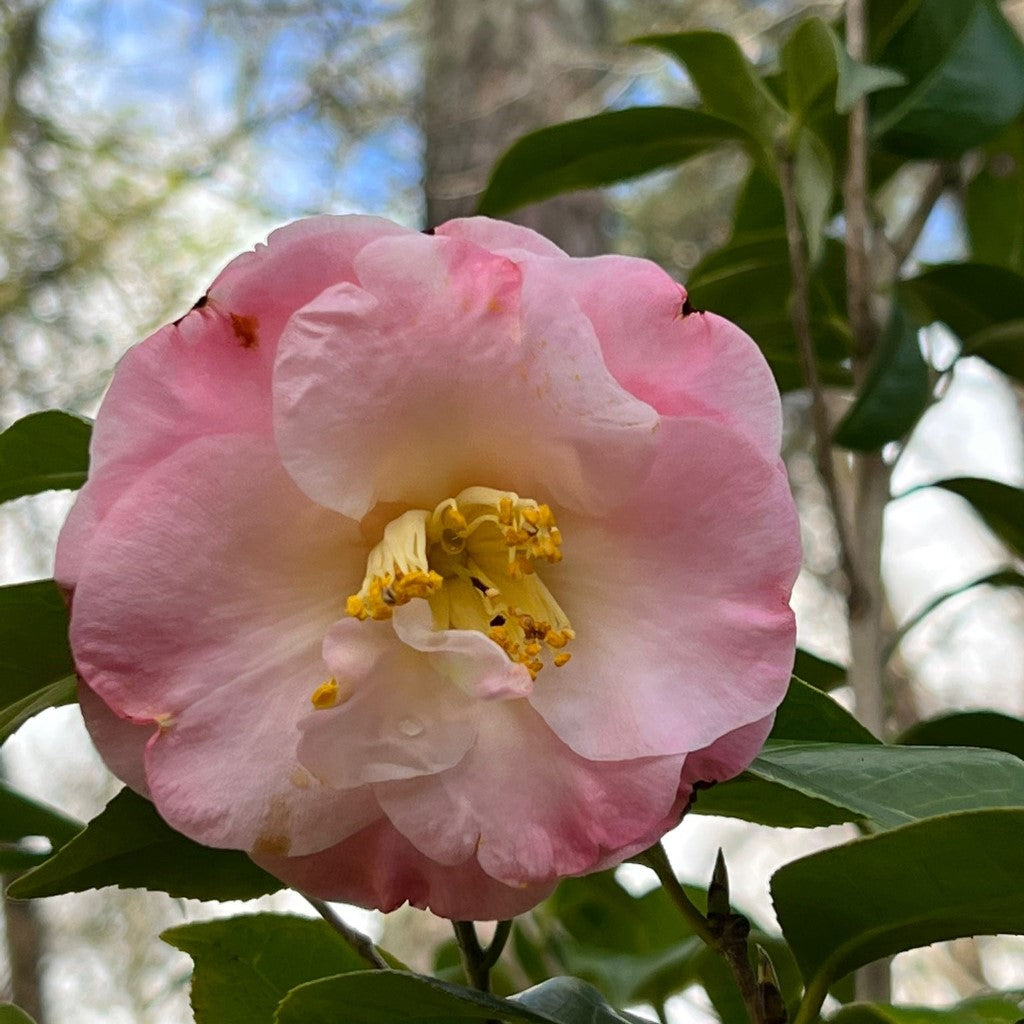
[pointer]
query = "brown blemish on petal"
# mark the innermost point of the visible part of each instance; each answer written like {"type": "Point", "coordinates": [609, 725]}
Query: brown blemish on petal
{"type": "Point", "coordinates": [272, 845]}
{"type": "Point", "coordinates": [246, 330]}
{"type": "Point", "coordinates": [198, 304]}
{"type": "Point", "coordinates": [300, 778]}
{"type": "Point", "coordinates": [495, 305]}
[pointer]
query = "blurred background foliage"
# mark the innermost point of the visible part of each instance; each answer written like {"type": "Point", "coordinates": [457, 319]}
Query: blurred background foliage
{"type": "Point", "coordinates": [145, 142]}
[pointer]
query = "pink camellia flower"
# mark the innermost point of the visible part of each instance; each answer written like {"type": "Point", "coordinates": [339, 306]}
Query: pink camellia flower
{"type": "Point", "coordinates": [433, 567]}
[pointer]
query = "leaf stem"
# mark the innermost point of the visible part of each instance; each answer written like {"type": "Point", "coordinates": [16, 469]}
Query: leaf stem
{"type": "Point", "coordinates": [476, 959]}
{"type": "Point", "coordinates": [727, 934]}
{"type": "Point", "coordinates": [361, 943]}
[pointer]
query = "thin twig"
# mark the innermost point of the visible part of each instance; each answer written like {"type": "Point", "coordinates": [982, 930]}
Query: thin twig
{"type": "Point", "coordinates": [800, 315]}
{"type": "Point", "coordinates": [476, 959]}
{"type": "Point", "coordinates": [356, 939]}
{"type": "Point", "coordinates": [940, 178]}
{"type": "Point", "coordinates": [727, 935]}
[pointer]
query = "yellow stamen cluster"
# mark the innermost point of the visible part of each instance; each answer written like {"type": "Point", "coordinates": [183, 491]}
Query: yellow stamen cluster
{"type": "Point", "coordinates": [472, 559]}
{"type": "Point", "coordinates": [523, 638]}
{"type": "Point", "coordinates": [385, 593]}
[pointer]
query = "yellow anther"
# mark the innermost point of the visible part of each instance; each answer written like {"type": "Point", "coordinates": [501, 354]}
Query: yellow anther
{"type": "Point", "coordinates": [354, 606]}
{"type": "Point", "coordinates": [520, 567]}
{"type": "Point", "coordinates": [416, 584]}
{"type": "Point", "coordinates": [555, 639]}
{"type": "Point", "coordinates": [532, 515]}
{"type": "Point", "coordinates": [505, 511]}
{"type": "Point", "coordinates": [533, 649]}
{"type": "Point", "coordinates": [561, 659]}
{"type": "Point", "coordinates": [325, 695]}
{"type": "Point", "coordinates": [453, 519]}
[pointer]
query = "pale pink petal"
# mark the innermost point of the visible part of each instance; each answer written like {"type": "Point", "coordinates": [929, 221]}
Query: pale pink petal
{"type": "Point", "coordinates": [446, 370]}
{"type": "Point", "coordinates": [680, 603]}
{"type": "Point", "coordinates": [379, 868]}
{"type": "Point", "coordinates": [215, 634]}
{"type": "Point", "coordinates": [210, 372]}
{"type": "Point", "coordinates": [464, 657]}
{"type": "Point", "coordinates": [401, 720]}
{"type": "Point", "coordinates": [120, 741]}
{"type": "Point", "coordinates": [682, 363]}
{"type": "Point", "coordinates": [501, 237]}
{"type": "Point", "coordinates": [528, 806]}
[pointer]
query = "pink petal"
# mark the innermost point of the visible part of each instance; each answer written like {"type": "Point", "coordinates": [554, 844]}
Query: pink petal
{"type": "Point", "coordinates": [214, 635]}
{"type": "Point", "coordinates": [501, 237]}
{"type": "Point", "coordinates": [528, 806]}
{"type": "Point", "coordinates": [444, 370]}
{"type": "Point", "coordinates": [694, 364]}
{"type": "Point", "coordinates": [120, 741]}
{"type": "Point", "coordinates": [210, 372]}
{"type": "Point", "coordinates": [679, 602]}
{"type": "Point", "coordinates": [402, 720]}
{"type": "Point", "coordinates": [379, 868]}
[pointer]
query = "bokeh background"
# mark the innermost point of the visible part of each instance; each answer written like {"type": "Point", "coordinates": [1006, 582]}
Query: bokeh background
{"type": "Point", "coordinates": [145, 142]}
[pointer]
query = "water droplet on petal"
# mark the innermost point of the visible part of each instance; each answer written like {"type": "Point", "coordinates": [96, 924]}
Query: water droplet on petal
{"type": "Point", "coordinates": [410, 727]}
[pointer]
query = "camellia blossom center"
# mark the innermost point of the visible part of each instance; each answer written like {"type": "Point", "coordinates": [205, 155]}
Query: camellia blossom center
{"type": "Point", "coordinates": [473, 560]}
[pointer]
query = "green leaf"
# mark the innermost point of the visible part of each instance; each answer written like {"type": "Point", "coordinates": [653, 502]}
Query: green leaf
{"type": "Point", "coordinates": [970, 729]}
{"type": "Point", "coordinates": [895, 393]}
{"type": "Point", "coordinates": [15, 715]}
{"type": "Point", "coordinates": [964, 66]}
{"type": "Point", "coordinates": [129, 845]}
{"type": "Point", "coordinates": [999, 505]}
{"type": "Point", "coordinates": [11, 1014]}
{"type": "Point", "coordinates": [815, 187]}
{"type": "Point", "coordinates": [47, 451]}
{"type": "Point", "coordinates": [819, 672]}
{"type": "Point", "coordinates": [808, 714]}
{"type": "Point", "coordinates": [21, 817]}
{"type": "Point", "coordinates": [749, 281]}
{"type": "Point", "coordinates": [885, 20]}
{"type": "Point", "coordinates": [600, 150]}
{"type": "Point", "coordinates": [983, 305]}
{"type": "Point", "coordinates": [994, 202]}
{"type": "Point", "coordinates": [892, 786]}
{"type": "Point", "coordinates": [942, 878]}
{"type": "Point", "coordinates": [816, 66]}
{"type": "Point", "coordinates": [572, 1001]}
{"type": "Point", "coordinates": [986, 1010]}
{"type": "Point", "coordinates": [245, 966]}
{"type": "Point", "coordinates": [35, 659]}
{"type": "Point", "coordinates": [391, 997]}
{"type": "Point", "coordinates": [758, 211]}
{"type": "Point", "coordinates": [729, 86]}
{"type": "Point", "coordinates": [1000, 578]}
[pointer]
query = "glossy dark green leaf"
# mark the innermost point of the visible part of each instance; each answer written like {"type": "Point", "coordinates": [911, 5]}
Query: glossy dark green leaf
{"type": "Point", "coordinates": [892, 786]}
{"type": "Point", "coordinates": [994, 202]}
{"type": "Point", "coordinates": [749, 281]}
{"type": "Point", "coordinates": [600, 150]}
{"type": "Point", "coordinates": [129, 845]}
{"type": "Point", "coordinates": [964, 66]}
{"type": "Point", "coordinates": [819, 672]}
{"type": "Point", "coordinates": [45, 451]}
{"type": "Point", "coordinates": [16, 858]}
{"type": "Point", "coordinates": [758, 211]}
{"type": "Point", "coordinates": [942, 878]}
{"type": "Point", "coordinates": [894, 395]}
{"type": "Point", "coordinates": [999, 505]}
{"type": "Point", "coordinates": [21, 817]}
{"type": "Point", "coordinates": [57, 694]}
{"type": "Point", "coordinates": [985, 1010]}
{"type": "Point", "coordinates": [728, 84]}
{"type": "Point", "coordinates": [245, 966]}
{"type": "Point", "coordinates": [810, 715]}
{"type": "Point", "coordinates": [392, 997]}
{"type": "Point", "coordinates": [983, 305]}
{"type": "Point", "coordinates": [970, 729]}
{"type": "Point", "coordinates": [817, 67]}
{"type": "Point", "coordinates": [806, 714]}
{"type": "Point", "coordinates": [571, 1001]}
{"type": "Point", "coordinates": [35, 659]}
{"type": "Point", "coordinates": [885, 20]}
{"type": "Point", "coordinates": [815, 187]}
{"type": "Point", "coordinates": [11, 1014]}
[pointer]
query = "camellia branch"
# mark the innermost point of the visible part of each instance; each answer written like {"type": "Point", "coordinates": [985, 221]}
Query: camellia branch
{"type": "Point", "coordinates": [722, 929]}
{"type": "Point", "coordinates": [800, 314]}
{"type": "Point", "coordinates": [361, 943]}
{"type": "Point", "coordinates": [476, 959]}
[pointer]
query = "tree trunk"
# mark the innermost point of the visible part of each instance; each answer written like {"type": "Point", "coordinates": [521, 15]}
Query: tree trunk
{"type": "Point", "coordinates": [494, 71]}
